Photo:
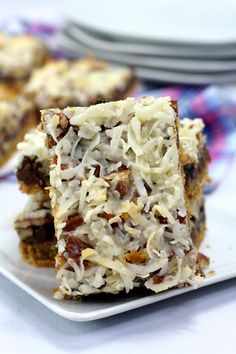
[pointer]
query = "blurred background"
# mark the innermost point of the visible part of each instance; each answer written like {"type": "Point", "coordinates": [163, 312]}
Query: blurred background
{"type": "Point", "coordinates": [167, 41]}
{"type": "Point", "coordinates": [184, 49]}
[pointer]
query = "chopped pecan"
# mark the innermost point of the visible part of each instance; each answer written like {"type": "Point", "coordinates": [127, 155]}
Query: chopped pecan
{"type": "Point", "coordinates": [121, 181]}
{"type": "Point", "coordinates": [50, 142]}
{"type": "Point", "coordinates": [182, 219]}
{"type": "Point", "coordinates": [74, 247]}
{"type": "Point", "coordinates": [136, 257]}
{"type": "Point", "coordinates": [63, 121]}
{"type": "Point", "coordinates": [73, 222]}
{"type": "Point", "coordinates": [174, 105]}
{"type": "Point", "coordinates": [106, 215]}
{"type": "Point", "coordinates": [124, 216]}
{"type": "Point", "coordinates": [54, 160]}
{"type": "Point", "coordinates": [97, 171]}
{"type": "Point", "coordinates": [122, 168]}
{"type": "Point", "coordinates": [64, 166]}
{"type": "Point", "coordinates": [122, 187]}
{"type": "Point", "coordinates": [157, 279]}
{"type": "Point", "coordinates": [87, 264]}
{"type": "Point", "coordinates": [203, 260]}
{"type": "Point", "coordinates": [162, 219]}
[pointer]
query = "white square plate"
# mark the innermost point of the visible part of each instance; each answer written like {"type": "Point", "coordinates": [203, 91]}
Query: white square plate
{"type": "Point", "coordinates": [220, 245]}
{"type": "Point", "coordinates": [159, 21]}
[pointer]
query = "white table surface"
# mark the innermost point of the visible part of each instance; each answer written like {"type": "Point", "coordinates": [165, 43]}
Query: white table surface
{"type": "Point", "coordinates": [198, 322]}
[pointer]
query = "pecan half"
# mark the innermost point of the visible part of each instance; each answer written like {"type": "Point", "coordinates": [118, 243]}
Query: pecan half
{"type": "Point", "coordinates": [121, 181]}
{"type": "Point", "coordinates": [74, 247]}
{"type": "Point", "coordinates": [73, 222]}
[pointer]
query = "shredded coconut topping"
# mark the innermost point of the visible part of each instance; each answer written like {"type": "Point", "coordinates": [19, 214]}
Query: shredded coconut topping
{"type": "Point", "coordinates": [38, 206]}
{"type": "Point", "coordinates": [189, 135]}
{"type": "Point", "coordinates": [34, 145]}
{"type": "Point", "coordinates": [117, 188]}
{"type": "Point", "coordinates": [80, 82]}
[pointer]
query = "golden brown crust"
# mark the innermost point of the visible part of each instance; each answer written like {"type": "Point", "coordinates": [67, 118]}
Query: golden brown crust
{"type": "Point", "coordinates": [39, 254]}
{"type": "Point", "coordinates": [199, 184]}
{"type": "Point", "coordinates": [195, 177]}
{"type": "Point", "coordinates": [200, 237]}
{"type": "Point", "coordinates": [31, 189]}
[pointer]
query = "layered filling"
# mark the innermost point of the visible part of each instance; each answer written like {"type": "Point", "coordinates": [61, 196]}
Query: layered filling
{"type": "Point", "coordinates": [195, 156]}
{"type": "Point", "coordinates": [33, 172]}
{"type": "Point", "coordinates": [35, 227]}
{"type": "Point", "coordinates": [83, 82]}
{"type": "Point", "coordinates": [33, 168]}
{"type": "Point", "coordinates": [117, 195]}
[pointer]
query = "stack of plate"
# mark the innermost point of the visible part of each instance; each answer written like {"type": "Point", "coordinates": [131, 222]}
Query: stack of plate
{"type": "Point", "coordinates": [167, 41]}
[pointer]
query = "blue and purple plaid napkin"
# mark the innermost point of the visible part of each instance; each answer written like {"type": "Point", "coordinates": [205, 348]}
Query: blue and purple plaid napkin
{"type": "Point", "coordinates": [216, 105]}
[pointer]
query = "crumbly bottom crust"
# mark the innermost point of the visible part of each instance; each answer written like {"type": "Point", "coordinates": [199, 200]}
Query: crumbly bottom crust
{"type": "Point", "coordinates": [39, 254]}
{"type": "Point", "coordinates": [200, 236]}
{"type": "Point", "coordinates": [31, 189]}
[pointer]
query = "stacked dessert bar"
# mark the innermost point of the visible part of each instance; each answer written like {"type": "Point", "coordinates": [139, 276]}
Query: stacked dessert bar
{"type": "Point", "coordinates": [19, 56]}
{"type": "Point", "coordinates": [81, 82]}
{"type": "Point", "coordinates": [119, 185]}
{"type": "Point", "coordinates": [16, 118]}
{"type": "Point", "coordinates": [195, 159]}
{"type": "Point", "coordinates": [55, 84]}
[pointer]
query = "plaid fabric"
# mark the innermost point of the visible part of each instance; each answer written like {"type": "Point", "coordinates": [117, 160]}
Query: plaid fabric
{"type": "Point", "coordinates": [216, 105]}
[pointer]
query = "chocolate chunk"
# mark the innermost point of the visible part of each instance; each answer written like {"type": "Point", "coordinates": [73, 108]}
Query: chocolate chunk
{"type": "Point", "coordinates": [31, 172]}
{"type": "Point", "coordinates": [41, 234]}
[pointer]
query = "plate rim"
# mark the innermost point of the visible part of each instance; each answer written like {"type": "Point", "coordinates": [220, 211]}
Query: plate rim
{"type": "Point", "coordinates": [119, 308]}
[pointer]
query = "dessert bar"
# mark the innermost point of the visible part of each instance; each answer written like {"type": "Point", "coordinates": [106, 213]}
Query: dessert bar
{"type": "Point", "coordinates": [19, 56]}
{"type": "Point", "coordinates": [16, 117]}
{"type": "Point", "coordinates": [118, 198]}
{"type": "Point", "coordinates": [35, 228]}
{"type": "Point", "coordinates": [83, 82]}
